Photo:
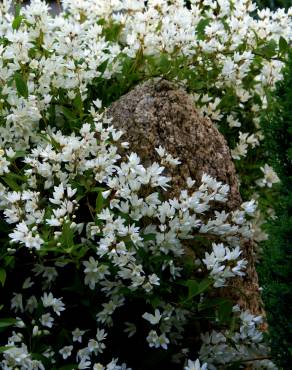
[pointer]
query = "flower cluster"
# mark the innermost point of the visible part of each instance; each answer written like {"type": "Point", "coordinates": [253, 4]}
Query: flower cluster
{"type": "Point", "coordinates": [81, 204]}
{"type": "Point", "coordinates": [221, 348]}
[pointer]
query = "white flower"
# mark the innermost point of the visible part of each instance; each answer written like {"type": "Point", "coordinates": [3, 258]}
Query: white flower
{"type": "Point", "coordinates": [31, 304]}
{"type": "Point", "coordinates": [152, 339]}
{"type": "Point", "coordinates": [23, 235]}
{"type": "Point", "coordinates": [35, 331]}
{"type": "Point", "coordinates": [47, 320]}
{"type": "Point", "coordinates": [84, 364]}
{"type": "Point", "coordinates": [191, 365]}
{"type": "Point", "coordinates": [19, 355]}
{"type": "Point", "coordinates": [70, 191]}
{"type": "Point", "coordinates": [166, 157]}
{"type": "Point", "coordinates": [157, 341]}
{"type": "Point", "coordinates": [161, 151]}
{"type": "Point", "coordinates": [154, 279]}
{"type": "Point", "coordinates": [50, 273]}
{"type": "Point", "coordinates": [91, 272]}
{"type": "Point", "coordinates": [58, 194]}
{"type": "Point", "coordinates": [97, 103]}
{"type": "Point", "coordinates": [66, 351]}
{"type": "Point", "coordinates": [130, 329]}
{"type": "Point", "coordinates": [16, 302]}
{"type": "Point", "coordinates": [249, 207]}
{"type": "Point", "coordinates": [218, 262]}
{"type": "Point", "coordinates": [4, 164]}
{"type": "Point", "coordinates": [98, 366]}
{"type": "Point", "coordinates": [58, 306]}
{"type": "Point", "coordinates": [233, 122]}
{"type": "Point", "coordinates": [190, 182]}
{"type": "Point", "coordinates": [270, 177]}
{"type": "Point", "coordinates": [97, 346]}
{"type": "Point", "coordinates": [56, 303]}
{"type": "Point", "coordinates": [27, 283]}
{"type": "Point", "coordinates": [163, 341]}
{"type": "Point", "coordinates": [77, 335]}
{"type": "Point", "coordinates": [48, 299]}
{"type": "Point", "coordinates": [153, 319]}
{"type": "Point", "coordinates": [10, 153]}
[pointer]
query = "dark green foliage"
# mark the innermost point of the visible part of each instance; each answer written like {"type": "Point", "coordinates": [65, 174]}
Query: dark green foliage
{"type": "Point", "coordinates": [276, 266]}
{"type": "Point", "coordinates": [274, 4]}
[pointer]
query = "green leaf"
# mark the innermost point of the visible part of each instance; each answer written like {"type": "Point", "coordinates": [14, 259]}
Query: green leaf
{"type": "Point", "coordinates": [155, 301]}
{"type": "Point", "coordinates": [67, 237]}
{"type": "Point", "coordinates": [235, 366]}
{"type": "Point", "coordinates": [19, 154]}
{"type": "Point", "coordinates": [196, 288]}
{"type": "Point", "coordinates": [202, 240]}
{"type": "Point", "coordinates": [193, 287]}
{"type": "Point", "coordinates": [147, 237]}
{"type": "Point", "coordinates": [68, 113]}
{"type": "Point", "coordinates": [283, 45]}
{"type": "Point", "coordinates": [15, 176]}
{"type": "Point", "coordinates": [78, 104]}
{"type": "Point", "coordinates": [112, 31]}
{"type": "Point", "coordinates": [102, 67]}
{"type": "Point", "coordinates": [9, 261]}
{"type": "Point", "coordinates": [229, 100]}
{"type": "Point", "coordinates": [17, 9]}
{"type": "Point", "coordinates": [21, 85]}
{"type": "Point", "coordinates": [17, 22]}
{"type": "Point", "coordinates": [99, 203]}
{"type": "Point", "coordinates": [268, 50]}
{"type": "Point", "coordinates": [164, 63]}
{"type": "Point", "coordinates": [201, 28]}
{"type": "Point", "coordinates": [4, 41]}
{"type": "Point", "coordinates": [204, 285]}
{"type": "Point", "coordinates": [66, 367]}
{"type": "Point", "coordinates": [210, 303]}
{"type": "Point", "coordinates": [225, 311]}
{"type": "Point", "coordinates": [4, 323]}
{"type": "Point", "coordinates": [2, 276]}
{"type": "Point", "coordinates": [11, 183]}
{"type": "Point", "coordinates": [80, 251]}
{"type": "Point", "coordinates": [97, 189]}
{"type": "Point", "coordinates": [5, 348]}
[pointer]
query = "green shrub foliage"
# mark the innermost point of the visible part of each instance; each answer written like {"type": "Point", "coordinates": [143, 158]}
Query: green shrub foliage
{"type": "Point", "coordinates": [274, 4]}
{"type": "Point", "coordinates": [276, 267]}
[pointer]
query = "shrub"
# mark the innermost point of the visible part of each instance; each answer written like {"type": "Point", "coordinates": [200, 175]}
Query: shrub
{"type": "Point", "coordinates": [92, 257]}
{"type": "Point", "coordinates": [276, 265]}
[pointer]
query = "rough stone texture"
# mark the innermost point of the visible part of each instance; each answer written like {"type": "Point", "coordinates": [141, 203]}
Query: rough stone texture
{"type": "Point", "coordinates": [158, 113]}
{"type": "Point", "coordinates": [246, 290]}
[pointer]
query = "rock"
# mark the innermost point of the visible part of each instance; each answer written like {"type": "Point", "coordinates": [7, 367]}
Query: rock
{"type": "Point", "coordinates": [158, 113]}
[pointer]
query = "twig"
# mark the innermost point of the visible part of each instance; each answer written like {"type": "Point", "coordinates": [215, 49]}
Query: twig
{"type": "Point", "coordinates": [59, 5]}
{"type": "Point", "coordinates": [251, 359]}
